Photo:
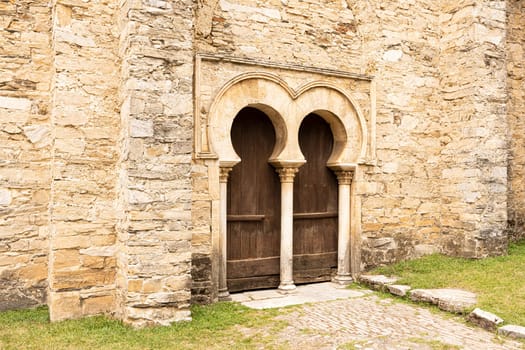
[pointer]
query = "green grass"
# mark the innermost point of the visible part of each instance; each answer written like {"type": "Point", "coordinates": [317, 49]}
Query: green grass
{"type": "Point", "coordinates": [217, 326]}
{"type": "Point", "coordinates": [499, 282]}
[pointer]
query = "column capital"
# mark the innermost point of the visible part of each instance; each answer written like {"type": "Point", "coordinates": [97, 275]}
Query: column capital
{"type": "Point", "coordinates": [224, 174]}
{"type": "Point", "coordinates": [287, 174]}
{"type": "Point", "coordinates": [344, 177]}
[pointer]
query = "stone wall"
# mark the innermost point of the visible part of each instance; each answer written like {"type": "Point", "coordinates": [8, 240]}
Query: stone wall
{"type": "Point", "coordinates": [156, 144]}
{"type": "Point", "coordinates": [473, 128]}
{"type": "Point", "coordinates": [25, 138]}
{"type": "Point", "coordinates": [83, 158]}
{"type": "Point", "coordinates": [398, 43]}
{"type": "Point", "coordinates": [516, 122]}
{"type": "Point", "coordinates": [102, 206]}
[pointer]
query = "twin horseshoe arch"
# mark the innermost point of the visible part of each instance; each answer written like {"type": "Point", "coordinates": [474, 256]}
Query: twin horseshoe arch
{"type": "Point", "coordinates": [286, 109]}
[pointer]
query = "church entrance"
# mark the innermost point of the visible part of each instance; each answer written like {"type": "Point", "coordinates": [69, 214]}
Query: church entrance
{"type": "Point", "coordinates": [253, 216]}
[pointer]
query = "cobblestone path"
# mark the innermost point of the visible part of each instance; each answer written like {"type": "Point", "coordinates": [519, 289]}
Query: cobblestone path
{"type": "Point", "coordinates": [370, 322]}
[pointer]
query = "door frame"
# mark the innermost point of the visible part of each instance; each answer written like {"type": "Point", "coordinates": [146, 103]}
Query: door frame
{"type": "Point", "coordinates": [275, 98]}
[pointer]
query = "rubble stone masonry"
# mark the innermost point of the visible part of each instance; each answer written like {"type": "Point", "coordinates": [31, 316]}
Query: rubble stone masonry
{"type": "Point", "coordinates": [106, 205]}
{"type": "Point", "coordinates": [25, 151]}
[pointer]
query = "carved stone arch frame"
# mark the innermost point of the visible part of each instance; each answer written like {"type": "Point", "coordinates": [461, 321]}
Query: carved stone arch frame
{"type": "Point", "coordinates": [270, 89]}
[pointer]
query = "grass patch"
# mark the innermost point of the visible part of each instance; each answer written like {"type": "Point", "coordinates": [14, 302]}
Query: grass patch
{"type": "Point", "coordinates": [499, 282]}
{"type": "Point", "coordinates": [217, 326]}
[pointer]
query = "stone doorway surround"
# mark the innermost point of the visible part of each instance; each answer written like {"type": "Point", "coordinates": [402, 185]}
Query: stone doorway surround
{"type": "Point", "coordinates": [287, 94]}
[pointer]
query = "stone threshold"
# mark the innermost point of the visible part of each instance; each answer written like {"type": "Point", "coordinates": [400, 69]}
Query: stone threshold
{"type": "Point", "coordinates": [452, 300]}
{"type": "Point", "coordinates": [308, 293]}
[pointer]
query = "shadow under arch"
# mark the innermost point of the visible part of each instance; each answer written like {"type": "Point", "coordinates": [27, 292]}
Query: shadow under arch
{"type": "Point", "coordinates": [339, 134]}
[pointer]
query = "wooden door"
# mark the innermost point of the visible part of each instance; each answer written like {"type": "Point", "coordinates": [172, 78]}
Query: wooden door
{"type": "Point", "coordinates": [315, 205]}
{"type": "Point", "coordinates": [253, 241]}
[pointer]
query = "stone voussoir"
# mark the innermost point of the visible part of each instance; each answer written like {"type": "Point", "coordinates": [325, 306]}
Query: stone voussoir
{"type": "Point", "coordinates": [452, 300]}
{"type": "Point", "coordinates": [484, 319]}
{"type": "Point", "coordinates": [377, 282]}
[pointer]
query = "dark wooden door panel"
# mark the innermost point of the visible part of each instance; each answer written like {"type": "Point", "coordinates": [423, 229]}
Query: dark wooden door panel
{"type": "Point", "coordinates": [253, 206]}
{"type": "Point", "coordinates": [315, 205]}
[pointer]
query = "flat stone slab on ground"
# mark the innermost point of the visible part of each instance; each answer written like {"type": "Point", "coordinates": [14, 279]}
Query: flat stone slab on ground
{"type": "Point", "coordinates": [484, 319]}
{"type": "Point", "coordinates": [512, 331]}
{"type": "Point", "coordinates": [398, 289]}
{"type": "Point", "coordinates": [452, 300]}
{"type": "Point", "coordinates": [267, 299]}
{"type": "Point", "coordinates": [377, 282]}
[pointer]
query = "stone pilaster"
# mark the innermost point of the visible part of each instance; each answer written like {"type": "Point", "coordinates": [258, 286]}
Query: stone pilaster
{"type": "Point", "coordinates": [155, 230]}
{"type": "Point", "coordinates": [474, 145]}
{"type": "Point", "coordinates": [223, 179]}
{"type": "Point", "coordinates": [82, 264]}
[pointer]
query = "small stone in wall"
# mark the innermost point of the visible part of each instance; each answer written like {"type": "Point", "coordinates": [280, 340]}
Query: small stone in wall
{"type": "Point", "coordinates": [39, 135]}
{"type": "Point", "coordinates": [5, 197]}
{"type": "Point", "coordinates": [392, 55]}
{"type": "Point", "coordinates": [15, 103]}
{"type": "Point", "coordinates": [139, 197]}
{"type": "Point", "coordinates": [141, 128]}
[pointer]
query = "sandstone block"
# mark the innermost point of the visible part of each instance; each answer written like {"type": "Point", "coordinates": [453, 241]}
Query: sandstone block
{"type": "Point", "coordinates": [39, 135]}
{"type": "Point", "coordinates": [5, 197]}
{"type": "Point", "coordinates": [134, 286]}
{"type": "Point", "coordinates": [64, 305]}
{"type": "Point", "coordinates": [141, 128]}
{"type": "Point", "coordinates": [15, 103]}
{"type": "Point", "coordinates": [98, 305]}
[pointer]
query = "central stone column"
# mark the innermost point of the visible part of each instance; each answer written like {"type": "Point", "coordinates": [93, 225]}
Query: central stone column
{"type": "Point", "coordinates": [223, 233]}
{"type": "Point", "coordinates": [287, 175]}
{"type": "Point", "coordinates": [344, 178]}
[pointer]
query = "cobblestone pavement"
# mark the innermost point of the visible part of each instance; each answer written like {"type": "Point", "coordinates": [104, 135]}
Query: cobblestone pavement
{"type": "Point", "coordinates": [370, 322]}
{"type": "Point", "coordinates": [335, 318]}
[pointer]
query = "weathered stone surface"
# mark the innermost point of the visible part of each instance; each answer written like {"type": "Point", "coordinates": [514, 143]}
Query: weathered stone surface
{"type": "Point", "coordinates": [452, 300]}
{"type": "Point", "coordinates": [484, 319]}
{"type": "Point", "coordinates": [398, 289]}
{"type": "Point", "coordinates": [512, 331]}
{"type": "Point", "coordinates": [377, 282]}
{"type": "Point", "coordinates": [99, 148]}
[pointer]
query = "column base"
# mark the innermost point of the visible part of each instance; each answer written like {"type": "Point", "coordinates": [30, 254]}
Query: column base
{"type": "Point", "coordinates": [286, 288]}
{"type": "Point", "coordinates": [343, 280]}
{"type": "Point", "coordinates": [224, 295]}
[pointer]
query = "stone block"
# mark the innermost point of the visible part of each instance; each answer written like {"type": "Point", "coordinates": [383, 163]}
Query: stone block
{"type": "Point", "coordinates": [98, 305]}
{"type": "Point", "coordinates": [17, 103]}
{"type": "Point", "coordinates": [5, 196]}
{"type": "Point", "coordinates": [398, 289]}
{"type": "Point", "coordinates": [377, 282]}
{"type": "Point", "coordinates": [484, 319]}
{"type": "Point", "coordinates": [512, 331]}
{"type": "Point", "coordinates": [140, 128]}
{"type": "Point", "coordinates": [64, 305]}
{"type": "Point", "coordinates": [452, 300]}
